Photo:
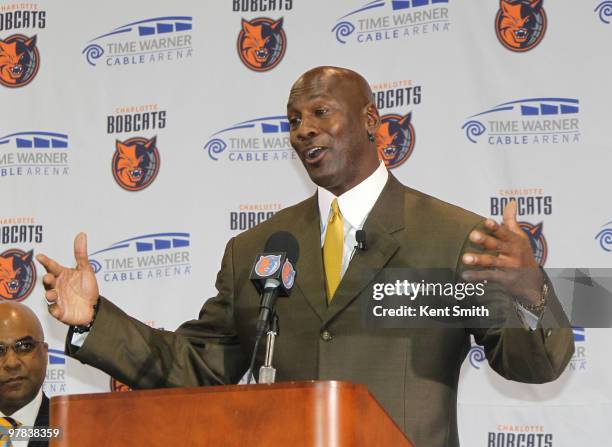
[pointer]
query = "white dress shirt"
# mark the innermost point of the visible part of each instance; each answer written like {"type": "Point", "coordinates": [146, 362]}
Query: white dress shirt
{"type": "Point", "coordinates": [355, 206]}
{"type": "Point", "coordinates": [26, 416]}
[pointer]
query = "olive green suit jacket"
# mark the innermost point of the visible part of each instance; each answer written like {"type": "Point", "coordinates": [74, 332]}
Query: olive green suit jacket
{"type": "Point", "coordinates": [412, 372]}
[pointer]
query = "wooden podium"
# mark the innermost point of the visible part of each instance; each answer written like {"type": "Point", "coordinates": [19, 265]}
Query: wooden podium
{"type": "Point", "coordinates": [289, 414]}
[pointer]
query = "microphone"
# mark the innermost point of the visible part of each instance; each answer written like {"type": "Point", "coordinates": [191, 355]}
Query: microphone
{"type": "Point", "coordinates": [273, 274]}
{"type": "Point", "coordinates": [360, 237]}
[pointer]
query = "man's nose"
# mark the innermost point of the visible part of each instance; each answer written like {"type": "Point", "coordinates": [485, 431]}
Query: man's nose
{"type": "Point", "coordinates": [10, 360]}
{"type": "Point", "coordinates": [307, 129]}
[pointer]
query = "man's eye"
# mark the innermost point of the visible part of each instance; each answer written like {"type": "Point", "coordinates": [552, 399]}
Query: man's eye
{"type": "Point", "coordinates": [320, 111]}
{"type": "Point", "coordinates": [294, 122]}
{"type": "Point", "coordinates": [24, 346]}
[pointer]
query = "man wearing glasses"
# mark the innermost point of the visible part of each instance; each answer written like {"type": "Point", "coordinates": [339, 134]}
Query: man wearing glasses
{"type": "Point", "coordinates": [23, 364]}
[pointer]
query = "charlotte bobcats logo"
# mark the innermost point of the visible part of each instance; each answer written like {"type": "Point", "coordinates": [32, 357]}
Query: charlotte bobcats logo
{"type": "Point", "coordinates": [118, 387]}
{"type": "Point", "coordinates": [136, 163]}
{"type": "Point", "coordinates": [537, 240]}
{"type": "Point", "coordinates": [17, 275]}
{"type": "Point", "coordinates": [262, 43]}
{"type": "Point", "coordinates": [267, 265]}
{"type": "Point", "coordinates": [520, 24]}
{"type": "Point", "coordinates": [395, 139]}
{"type": "Point", "coordinates": [19, 60]}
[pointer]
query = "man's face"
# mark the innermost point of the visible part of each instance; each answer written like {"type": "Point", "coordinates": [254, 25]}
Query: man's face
{"type": "Point", "coordinates": [21, 375]}
{"type": "Point", "coordinates": [328, 130]}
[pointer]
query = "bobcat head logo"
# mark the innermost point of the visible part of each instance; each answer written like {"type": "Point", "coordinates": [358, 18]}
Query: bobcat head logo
{"type": "Point", "coordinates": [17, 275]}
{"type": "Point", "coordinates": [520, 24]}
{"type": "Point", "coordinates": [262, 43]}
{"type": "Point", "coordinates": [19, 60]}
{"type": "Point", "coordinates": [537, 240]}
{"type": "Point", "coordinates": [395, 139]}
{"type": "Point", "coordinates": [136, 163]}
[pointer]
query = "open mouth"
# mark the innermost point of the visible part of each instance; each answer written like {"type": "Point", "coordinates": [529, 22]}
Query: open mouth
{"type": "Point", "coordinates": [12, 286]}
{"type": "Point", "coordinates": [520, 35]}
{"type": "Point", "coordinates": [389, 152]}
{"type": "Point", "coordinates": [315, 154]}
{"type": "Point", "coordinates": [261, 55]}
{"type": "Point", "coordinates": [136, 174]}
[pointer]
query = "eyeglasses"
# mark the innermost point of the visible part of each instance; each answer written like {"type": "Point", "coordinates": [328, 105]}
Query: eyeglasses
{"type": "Point", "coordinates": [20, 348]}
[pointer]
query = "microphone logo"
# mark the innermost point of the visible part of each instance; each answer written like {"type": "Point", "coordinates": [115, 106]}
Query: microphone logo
{"type": "Point", "coordinates": [288, 275]}
{"type": "Point", "coordinates": [267, 265]}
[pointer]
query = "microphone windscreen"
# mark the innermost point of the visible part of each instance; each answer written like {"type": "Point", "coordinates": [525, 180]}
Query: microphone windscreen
{"type": "Point", "coordinates": [283, 241]}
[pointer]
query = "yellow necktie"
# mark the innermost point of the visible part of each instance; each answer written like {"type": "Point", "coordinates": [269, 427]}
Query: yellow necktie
{"type": "Point", "coordinates": [332, 250]}
{"type": "Point", "coordinates": [7, 423]}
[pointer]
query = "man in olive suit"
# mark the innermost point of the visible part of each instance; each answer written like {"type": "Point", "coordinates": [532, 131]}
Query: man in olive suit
{"type": "Point", "coordinates": [412, 372]}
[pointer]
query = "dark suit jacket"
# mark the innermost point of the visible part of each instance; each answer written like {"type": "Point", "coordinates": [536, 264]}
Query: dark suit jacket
{"type": "Point", "coordinates": [412, 372]}
{"type": "Point", "coordinates": [42, 420]}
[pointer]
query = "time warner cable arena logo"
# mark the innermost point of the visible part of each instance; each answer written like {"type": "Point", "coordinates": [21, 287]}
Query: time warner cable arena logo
{"type": "Point", "coordinates": [604, 237]}
{"type": "Point", "coordinates": [150, 256]}
{"type": "Point", "coordinates": [55, 377]}
{"type": "Point", "coordinates": [604, 11]}
{"type": "Point", "coordinates": [381, 20]}
{"type": "Point", "coordinates": [259, 139]}
{"type": "Point", "coordinates": [161, 39]}
{"type": "Point", "coordinates": [526, 121]}
{"type": "Point", "coordinates": [578, 361]}
{"type": "Point", "coordinates": [34, 153]}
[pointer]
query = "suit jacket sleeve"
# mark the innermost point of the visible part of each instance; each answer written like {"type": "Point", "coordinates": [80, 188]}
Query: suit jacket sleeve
{"type": "Point", "coordinates": [200, 352]}
{"type": "Point", "coordinates": [515, 351]}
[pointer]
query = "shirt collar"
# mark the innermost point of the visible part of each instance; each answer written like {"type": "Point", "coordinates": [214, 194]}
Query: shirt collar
{"type": "Point", "coordinates": [356, 203]}
{"type": "Point", "coordinates": [27, 415]}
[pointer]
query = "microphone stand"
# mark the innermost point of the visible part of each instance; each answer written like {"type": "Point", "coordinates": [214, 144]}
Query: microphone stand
{"type": "Point", "coordinates": [267, 373]}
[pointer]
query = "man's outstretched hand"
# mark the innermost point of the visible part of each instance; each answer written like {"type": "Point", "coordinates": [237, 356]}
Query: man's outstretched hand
{"type": "Point", "coordinates": [510, 261]}
{"type": "Point", "coordinates": [71, 293]}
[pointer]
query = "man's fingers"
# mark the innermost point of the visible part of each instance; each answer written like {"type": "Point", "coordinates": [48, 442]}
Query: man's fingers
{"type": "Point", "coordinates": [48, 281]}
{"type": "Point", "coordinates": [487, 241]}
{"type": "Point", "coordinates": [482, 260]}
{"type": "Point", "coordinates": [510, 217]}
{"type": "Point", "coordinates": [80, 252]}
{"type": "Point", "coordinates": [55, 310]}
{"type": "Point", "coordinates": [50, 265]}
{"type": "Point", "coordinates": [51, 296]}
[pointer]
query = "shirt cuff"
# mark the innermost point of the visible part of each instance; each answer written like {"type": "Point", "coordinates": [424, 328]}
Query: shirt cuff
{"type": "Point", "coordinates": [78, 339]}
{"type": "Point", "coordinates": [528, 318]}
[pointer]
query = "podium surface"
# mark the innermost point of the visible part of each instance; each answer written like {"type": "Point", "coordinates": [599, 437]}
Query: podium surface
{"type": "Point", "coordinates": [294, 414]}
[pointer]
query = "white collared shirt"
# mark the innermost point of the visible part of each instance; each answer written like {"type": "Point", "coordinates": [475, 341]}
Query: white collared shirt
{"type": "Point", "coordinates": [26, 416]}
{"type": "Point", "coordinates": [355, 206]}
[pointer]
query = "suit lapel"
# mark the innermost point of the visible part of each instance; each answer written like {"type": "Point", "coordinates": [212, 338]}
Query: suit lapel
{"type": "Point", "coordinates": [310, 276]}
{"type": "Point", "coordinates": [386, 218]}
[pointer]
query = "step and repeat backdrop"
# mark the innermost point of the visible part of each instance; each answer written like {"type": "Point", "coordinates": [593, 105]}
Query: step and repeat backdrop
{"type": "Point", "coordinates": [159, 129]}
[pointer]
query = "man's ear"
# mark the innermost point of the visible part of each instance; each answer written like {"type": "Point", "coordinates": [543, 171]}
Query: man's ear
{"type": "Point", "coordinates": [372, 119]}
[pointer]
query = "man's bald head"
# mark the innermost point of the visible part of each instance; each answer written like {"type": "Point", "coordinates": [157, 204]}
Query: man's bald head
{"type": "Point", "coordinates": [333, 77]}
{"type": "Point", "coordinates": [12, 312]}
{"type": "Point", "coordinates": [23, 360]}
